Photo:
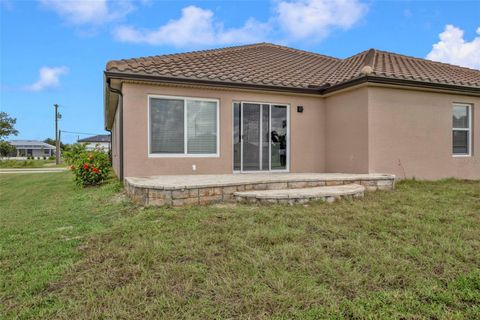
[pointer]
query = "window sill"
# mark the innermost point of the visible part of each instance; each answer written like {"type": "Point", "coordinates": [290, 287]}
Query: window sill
{"type": "Point", "coordinates": [181, 155]}
{"type": "Point", "coordinates": [461, 155]}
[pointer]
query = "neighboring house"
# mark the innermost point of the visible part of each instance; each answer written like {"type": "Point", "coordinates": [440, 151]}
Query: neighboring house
{"type": "Point", "coordinates": [99, 141]}
{"type": "Point", "coordinates": [266, 107]}
{"type": "Point", "coordinates": [31, 148]}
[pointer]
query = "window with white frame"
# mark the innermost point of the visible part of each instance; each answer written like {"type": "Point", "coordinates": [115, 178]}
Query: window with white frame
{"type": "Point", "coordinates": [462, 129]}
{"type": "Point", "coordinates": [183, 126]}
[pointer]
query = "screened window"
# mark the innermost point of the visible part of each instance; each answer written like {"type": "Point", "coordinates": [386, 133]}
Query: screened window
{"type": "Point", "coordinates": [183, 126]}
{"type": "Point", "coordinates": [462, 131]}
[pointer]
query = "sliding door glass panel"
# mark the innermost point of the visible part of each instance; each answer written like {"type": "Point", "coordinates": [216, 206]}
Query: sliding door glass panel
{"type": "Point", "coordinates": [251, 137]}
{"type": "Point", "coordinates": [201, 127]}
{"type": "Point", "coordinates": [236, 137]}
{"type": "Point", "coordinates": [279, 139]}
{"type": "Point", "coordinates": [166, 126]}
{"type": "Point", "coordinates": [265, 137]}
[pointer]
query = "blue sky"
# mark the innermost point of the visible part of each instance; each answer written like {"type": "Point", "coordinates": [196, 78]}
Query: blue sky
{"type": "Point", "coordinates": [55, 51]}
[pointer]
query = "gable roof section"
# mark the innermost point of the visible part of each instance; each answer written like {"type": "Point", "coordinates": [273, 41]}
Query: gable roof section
{"type": "Point", "coordinates": [267, 64]}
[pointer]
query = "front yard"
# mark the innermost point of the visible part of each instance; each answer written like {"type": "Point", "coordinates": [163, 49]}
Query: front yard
{"type": "Point", "coordinates": [9, 163]}
{"type": "Point", "coordinates": [74, 253]}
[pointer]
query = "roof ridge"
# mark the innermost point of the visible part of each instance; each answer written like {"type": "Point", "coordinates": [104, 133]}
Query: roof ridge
{"type": "Point", "coordinates": [300, 50]}
{"type": "Point", "coordinates": [369, 62]}
{"type": "Point", "coordinates": [370, 58]}
{"type": "Point", "coordinates": [428, 60]}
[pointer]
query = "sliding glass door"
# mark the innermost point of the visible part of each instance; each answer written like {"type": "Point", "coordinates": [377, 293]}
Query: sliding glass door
{"type": "Point", "coordinates": [260, 137]}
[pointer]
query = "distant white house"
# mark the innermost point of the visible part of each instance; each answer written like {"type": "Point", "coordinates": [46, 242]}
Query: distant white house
{"type": "Point", "coordinates": [99, 141]}
{"type": "Point", "coordinates": [31, 148]}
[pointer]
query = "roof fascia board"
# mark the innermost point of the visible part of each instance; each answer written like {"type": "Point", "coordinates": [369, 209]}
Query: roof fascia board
{"type": "Point", "coordinates": [321, 92]}
{"type": "Point", "coordinates": [404, 83]}
{"type": "Point", "coordinates": [223, 84]}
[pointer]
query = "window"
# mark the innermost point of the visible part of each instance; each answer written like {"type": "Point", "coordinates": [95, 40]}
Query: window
{"type": "Point", "coordinates": [462, 131]}
{"type": "Point", "coordinates": [183, 126]}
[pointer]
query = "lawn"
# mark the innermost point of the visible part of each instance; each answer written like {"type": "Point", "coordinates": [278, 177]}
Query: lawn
{"type": "Point", "coordinates": [9, 163]}
{"type": "Point", "coordinates": [88, 253]}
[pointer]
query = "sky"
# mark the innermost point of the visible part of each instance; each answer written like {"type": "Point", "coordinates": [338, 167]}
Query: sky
{"type": "Point", "coordinates": [54, 51]}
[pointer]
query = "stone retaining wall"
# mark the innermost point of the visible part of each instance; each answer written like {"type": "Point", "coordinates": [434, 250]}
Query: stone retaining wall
{"type": "Point", "coordinates": [214, 194]}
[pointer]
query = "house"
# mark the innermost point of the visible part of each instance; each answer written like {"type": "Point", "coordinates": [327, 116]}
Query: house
{"type": "Point", "coordinates": [31, 148]}
{"type": "Point", "coordinates": [101, 141]}
{"type": "Point", "coordinates": [270, 108]}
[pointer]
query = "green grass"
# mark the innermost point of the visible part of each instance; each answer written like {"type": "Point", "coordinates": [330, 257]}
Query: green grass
{"type": "Point", "coordinates": [87, 254]}
{"type": "Point", "coordinates": [28, 163]}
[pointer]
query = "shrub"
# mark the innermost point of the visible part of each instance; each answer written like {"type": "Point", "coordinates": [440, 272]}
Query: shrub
{"type": "Point", "coordinates": [90, 167]}
{"type": "Point", "coordinates": [73, 153]}
{"type": "Point", "coordinates": [6, 148]}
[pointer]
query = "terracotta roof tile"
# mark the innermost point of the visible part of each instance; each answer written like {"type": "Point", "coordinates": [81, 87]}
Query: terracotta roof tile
{"type": "Point", "coordinates": [270, 64]}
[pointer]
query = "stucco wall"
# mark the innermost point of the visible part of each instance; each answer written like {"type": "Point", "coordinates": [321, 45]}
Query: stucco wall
{"type": "Point", "coordinates": [365, 130]}
{"type": "Point", "coordinates": [347, 132]}
{"type": "Point", "coordinates": [116, 144]}
{"type": "Point", "coordinates": [307, 131]}
{"type": "Point", "coordinates": [411, 135]}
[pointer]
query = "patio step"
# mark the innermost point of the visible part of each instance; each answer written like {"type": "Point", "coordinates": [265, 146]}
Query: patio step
{"type": "Point", "coordinates": [303, 195]}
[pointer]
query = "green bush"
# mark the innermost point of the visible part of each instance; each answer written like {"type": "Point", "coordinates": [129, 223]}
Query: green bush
{"type": "Point", "coordinates": [90, 167]}
{"type": "Point", "coordinates": [73, 153]}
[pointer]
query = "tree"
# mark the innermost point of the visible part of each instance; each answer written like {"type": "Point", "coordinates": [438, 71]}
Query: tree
{"type": "Point", "coordinates": [6, 149]}
{"type": "Point", "coordinates": [51, 142]}
{"type": "Point", "coordinates": [7, 125]}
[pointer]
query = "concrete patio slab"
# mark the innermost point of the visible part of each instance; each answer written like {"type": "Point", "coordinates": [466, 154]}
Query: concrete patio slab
{"type": "Point", "coordinates": [174, 182]}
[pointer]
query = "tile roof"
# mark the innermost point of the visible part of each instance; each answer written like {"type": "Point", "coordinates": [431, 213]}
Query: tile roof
{"type": "Point", "coordinates": [30, 144]}
{"type": "Point", "coordinates": [393, 65]}
{"type": "Point", "coordinates": [263, 64]}
{"type": "Point", "coordinates": [97, 138]}
{"type": "Point", "coordinates": [274, 65]}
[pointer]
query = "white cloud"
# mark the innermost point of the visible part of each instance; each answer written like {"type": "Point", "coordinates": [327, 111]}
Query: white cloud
{"type": "Point", "coordinates": [196, 26]}
{"type": "Point", "coordinates": [452, 48]}
{"type": "Point", "coordinates": [95, 12]}
{"type": "Point", "coordinates": [48, 77]}
{"type": "Point", "coordinates": [299, 19]}
{"type": "Point", "coordinates": [315, 19]}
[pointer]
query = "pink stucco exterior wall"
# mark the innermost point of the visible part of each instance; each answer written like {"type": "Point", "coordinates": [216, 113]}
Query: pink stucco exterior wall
{"type": "Point", "coordinates": [364, 130]}
{"type": "Point", "coordinates": [347, 132]}
{"type": "Point", "coordinates": [307, 131]}
{"type": "Point", "coordinates": [116, 143]}
{"type": "Point", "coordinates": [410, 134]}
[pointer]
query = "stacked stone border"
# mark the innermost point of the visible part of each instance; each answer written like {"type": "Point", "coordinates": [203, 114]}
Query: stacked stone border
{"type": "Point", "coordinates": [200, 195]}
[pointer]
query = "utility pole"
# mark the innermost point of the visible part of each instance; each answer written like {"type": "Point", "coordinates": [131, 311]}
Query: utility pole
{"type": "Point", "coordinates": [57, 135]}
{"type": "Point", "coordinates": [59, 143]}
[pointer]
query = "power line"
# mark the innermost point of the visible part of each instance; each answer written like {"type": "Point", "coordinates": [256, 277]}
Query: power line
{"type": "Point", "coordinates": [87, 133]}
